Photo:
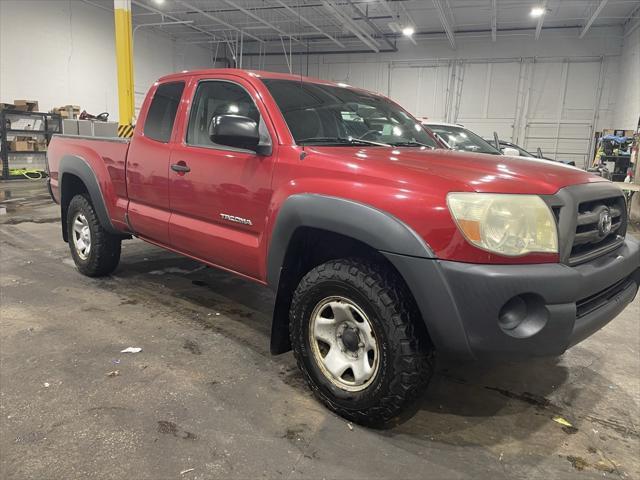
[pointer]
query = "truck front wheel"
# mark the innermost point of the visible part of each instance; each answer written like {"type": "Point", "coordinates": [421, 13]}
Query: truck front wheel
{"type": "Point", "coordinates": [95, 251]}
{"type": "Point", "coordinates": [357, 337]}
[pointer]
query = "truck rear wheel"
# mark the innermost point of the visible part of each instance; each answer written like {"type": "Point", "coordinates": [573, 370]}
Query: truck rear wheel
{"type": "Point", "coordinates": [356, 336]}
{"type": "Point", "coordinates": [95, 251]}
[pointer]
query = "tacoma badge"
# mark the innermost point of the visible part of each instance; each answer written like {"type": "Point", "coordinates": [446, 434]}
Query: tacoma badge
{"type": "Point", "coordinates": [232, 218]}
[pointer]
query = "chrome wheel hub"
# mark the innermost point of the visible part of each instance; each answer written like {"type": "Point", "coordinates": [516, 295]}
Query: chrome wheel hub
{"type": "Point", "coordinates": [343, 343]}
{"type": "Point", "coordinates": [81, 236]}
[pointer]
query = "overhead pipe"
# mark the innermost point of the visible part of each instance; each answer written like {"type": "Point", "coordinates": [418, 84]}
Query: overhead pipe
{"type": "Point", "coordinates": [320, 52]}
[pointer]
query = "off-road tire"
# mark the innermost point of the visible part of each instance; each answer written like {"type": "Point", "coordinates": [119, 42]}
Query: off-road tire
{"type": "Point", "coordinates": [406, 353]}
{"type": "Point", "coordinates": [104, 254]}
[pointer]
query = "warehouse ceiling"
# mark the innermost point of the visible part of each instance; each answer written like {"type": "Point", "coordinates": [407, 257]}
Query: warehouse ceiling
{"type": "Point", "coordinates": [366, 25]}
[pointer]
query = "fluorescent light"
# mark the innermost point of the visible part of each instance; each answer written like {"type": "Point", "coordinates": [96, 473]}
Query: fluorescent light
{"type": "Point", "coordinates": [159, 2]}
{"type": "Point", "coordinates": [537, 12]}
{"type": "Point", "coordinates": [408, 31]}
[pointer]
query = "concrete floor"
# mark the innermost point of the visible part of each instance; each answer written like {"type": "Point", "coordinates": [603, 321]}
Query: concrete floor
{"type": "Point", "coordinates": [205, 398]}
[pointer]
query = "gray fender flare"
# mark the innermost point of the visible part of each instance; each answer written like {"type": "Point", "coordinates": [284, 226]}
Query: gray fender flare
{"type": "Point", "coordinates": [78, 166]}
{"type": "Point", "coordinates": [380, 230]}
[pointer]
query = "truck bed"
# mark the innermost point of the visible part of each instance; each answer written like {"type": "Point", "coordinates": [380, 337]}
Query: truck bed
{"type": "Point", "coordinates": [105, 157]}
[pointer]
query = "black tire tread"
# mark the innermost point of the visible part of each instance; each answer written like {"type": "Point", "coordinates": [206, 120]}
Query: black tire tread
{"type": "Point", "coordinates": [105, 247]}
{"type": "Point", "coordinates": [411, 348]}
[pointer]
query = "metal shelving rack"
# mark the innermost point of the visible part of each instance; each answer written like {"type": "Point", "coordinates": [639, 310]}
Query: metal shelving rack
{"type": "Point", "coordinates": [51, 123]}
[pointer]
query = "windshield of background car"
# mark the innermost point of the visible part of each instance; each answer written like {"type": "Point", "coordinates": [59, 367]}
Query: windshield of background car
{"type": "Point", "coordinates": [326, 115]}
{"type": "Point", "coordinates": [461, 139]}
{"type": "Point", "coordinates": [523, 152]}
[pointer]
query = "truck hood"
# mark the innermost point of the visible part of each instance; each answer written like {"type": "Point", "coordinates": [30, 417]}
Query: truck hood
{"type": "Point", "coordinates": [469, 171]}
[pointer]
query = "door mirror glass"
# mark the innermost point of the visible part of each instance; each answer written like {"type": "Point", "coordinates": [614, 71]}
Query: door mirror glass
{"type": "Point", "coordinates": [234, 131]}
{"type": "Point", "coordinates": [511, 152]}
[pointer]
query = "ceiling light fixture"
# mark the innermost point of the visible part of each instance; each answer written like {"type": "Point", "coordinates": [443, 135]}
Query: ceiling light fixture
{"type": "Point", "coordinates": [159, 2]}
{"type": "Point", "coordinates": [408, 31]}
{"type": "Point", "coordinates": [537, 12]}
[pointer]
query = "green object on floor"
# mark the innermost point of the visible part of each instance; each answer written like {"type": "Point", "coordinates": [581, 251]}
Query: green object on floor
{"type": "Point", "coordinates": [30, 173]}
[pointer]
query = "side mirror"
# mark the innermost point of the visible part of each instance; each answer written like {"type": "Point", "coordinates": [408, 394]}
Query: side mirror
{"type": "Point", "coordinates": [236, 131]}
{"type": "Point", "coordinates": [510, 152]}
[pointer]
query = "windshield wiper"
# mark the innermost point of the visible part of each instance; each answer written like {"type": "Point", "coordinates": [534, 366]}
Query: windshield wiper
{"type": "Point", "coordinates": [340, 140]}
{"type": "Point", "coordinates": [412, 144]}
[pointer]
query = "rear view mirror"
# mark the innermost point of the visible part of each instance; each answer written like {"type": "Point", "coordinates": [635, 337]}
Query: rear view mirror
{"type": "Point", "coordinates": [236, 131]}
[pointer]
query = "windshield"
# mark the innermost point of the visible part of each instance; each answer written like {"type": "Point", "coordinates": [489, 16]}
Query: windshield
{"type": "Point", "coordinates": [326, 115]}
{"type": "Point", "coordinates": [461, 139]}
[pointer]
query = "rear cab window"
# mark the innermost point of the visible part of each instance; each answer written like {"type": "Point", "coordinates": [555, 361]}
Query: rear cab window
{"type": "Point", "coordinates": [162, 111]}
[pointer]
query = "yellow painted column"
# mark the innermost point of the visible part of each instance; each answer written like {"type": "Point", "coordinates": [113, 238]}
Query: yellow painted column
{"type": "Point", "coordinates": [124, 61]}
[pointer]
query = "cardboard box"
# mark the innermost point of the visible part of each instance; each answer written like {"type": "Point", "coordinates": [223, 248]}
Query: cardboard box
{"type": "Point", "coordinates": [26, 105]}
{"type": "Point", "coordinates": [7, 106]}
{"type": "Point", "coordinates": [22, 146]}
{"type": "Point", "coordinates": [41, 146]}
{"type": "Point", "coordinates": [67, 111]}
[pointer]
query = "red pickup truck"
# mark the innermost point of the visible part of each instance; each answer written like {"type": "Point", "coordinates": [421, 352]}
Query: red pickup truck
{"type": "Point", "coordinates": [383, 249]}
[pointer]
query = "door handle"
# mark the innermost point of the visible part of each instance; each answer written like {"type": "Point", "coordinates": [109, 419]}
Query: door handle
{"type": "Point", "coordinates": [180, 167]}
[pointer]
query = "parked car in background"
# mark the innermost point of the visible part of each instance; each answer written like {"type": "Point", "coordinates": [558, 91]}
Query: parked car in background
{"type": "Point", "coordinates": [382, 249]}
{"type": "Point", "coordinates": [524, 153]}
{"type": "Point", "coordinates": [456, 137]}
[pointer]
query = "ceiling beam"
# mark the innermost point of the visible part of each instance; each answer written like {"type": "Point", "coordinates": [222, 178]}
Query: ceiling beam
{"type": "Point", "coordinates": [494, 20]}
{"type": "Point", "coordinates": [630, 25]}
{"type": "Point", "coordinates": [386, 6]}
{"type": "Point", "coordinates": [218, 20]}
{"type": "Point", "coordinates": [350, 25]}
{"type": "Point", "coordinates": [373, 26]}
{"type": "Point", "coordinates": [445, 23]}
{"type": "Point", "coordinates": [309, 23]}
{"type": "Point", "coordinates": [593, 17]}
{"type": "Point", "coordinates": [541, 19]}
{"type": "Point", "coordinates": [255, 17]}
{"type": "Point", "coordinates": [160, 12]}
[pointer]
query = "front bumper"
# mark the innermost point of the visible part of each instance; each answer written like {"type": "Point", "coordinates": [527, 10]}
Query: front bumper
{"type": "Point", "coordinates": [462, 304]}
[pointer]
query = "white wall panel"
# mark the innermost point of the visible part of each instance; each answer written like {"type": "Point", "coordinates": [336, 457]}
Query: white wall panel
{"type": "Point", "coordinates": [405, 87]}
{"type": "Point", "coordinates": [432, 91]}
{"type": "Point", "coordinates": [628, 91]}
{"type": "Point", "coordinates": [475, 81]}
{"type": "Point", "coordinates": [546, 91]}
{"type": "Point", "coordinates": [503, 90]}
{"type": "Point", "coordinates": [582, 87]}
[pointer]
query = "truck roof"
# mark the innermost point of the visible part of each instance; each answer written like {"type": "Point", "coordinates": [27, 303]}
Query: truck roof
{"type": "Point", "coordinates": [251, 74]}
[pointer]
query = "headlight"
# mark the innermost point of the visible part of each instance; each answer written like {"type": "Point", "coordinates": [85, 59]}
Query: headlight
{"type": "Point", "coordinates": [510, 225]}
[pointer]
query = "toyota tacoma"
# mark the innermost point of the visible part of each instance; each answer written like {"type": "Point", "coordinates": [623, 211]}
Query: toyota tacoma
{"type": "Point", "coordinates": [383, 248]}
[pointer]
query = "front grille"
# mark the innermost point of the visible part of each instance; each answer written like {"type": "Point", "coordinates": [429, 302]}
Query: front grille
{"type": "Point", "coordinates": [593, 237]}
{"type": "Point", "coordinates": [597, 300]}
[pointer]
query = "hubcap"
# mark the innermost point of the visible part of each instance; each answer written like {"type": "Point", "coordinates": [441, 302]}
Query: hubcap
{"type": "Point", "coordinates": [343, 343]}
{"type": "Point", "coordinates": [81, 236]}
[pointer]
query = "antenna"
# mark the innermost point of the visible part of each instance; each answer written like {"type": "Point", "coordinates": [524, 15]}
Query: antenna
{"type": "Point", "coordinates": [303, 154]}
